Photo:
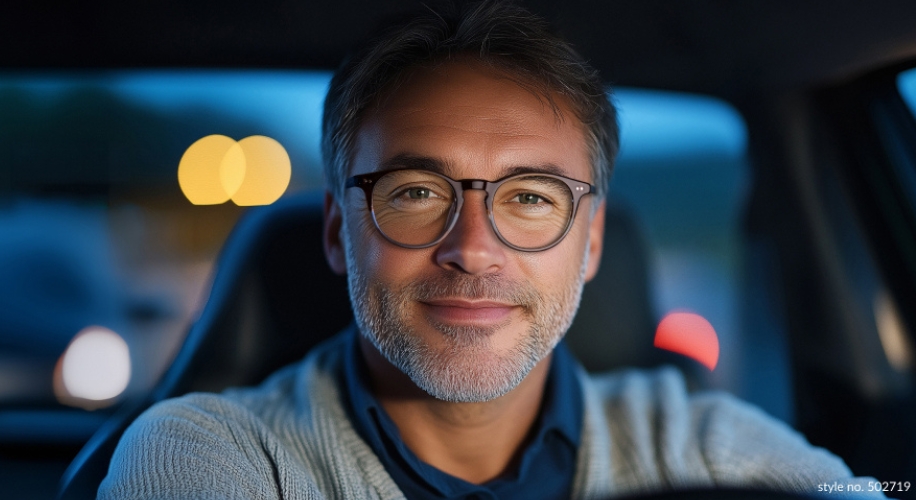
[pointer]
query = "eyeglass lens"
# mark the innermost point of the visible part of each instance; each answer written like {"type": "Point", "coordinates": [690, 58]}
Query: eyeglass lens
{"type": "Point", "coordinates": [415, 207]}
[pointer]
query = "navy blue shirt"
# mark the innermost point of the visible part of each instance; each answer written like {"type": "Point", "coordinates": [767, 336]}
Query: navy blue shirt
{"type": "Point", "coordinates": [547, 465]}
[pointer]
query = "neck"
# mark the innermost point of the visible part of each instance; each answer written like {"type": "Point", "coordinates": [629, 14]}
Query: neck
{"type": "Point", "coordinates": [477, 442]}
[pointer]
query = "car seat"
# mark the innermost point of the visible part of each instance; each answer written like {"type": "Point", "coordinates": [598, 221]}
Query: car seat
{"type": "Point", "coordinates": [273, 297]}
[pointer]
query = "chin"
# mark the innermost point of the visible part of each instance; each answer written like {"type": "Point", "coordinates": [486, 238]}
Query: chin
{"type": "Point", "coordinates": [464, 364]}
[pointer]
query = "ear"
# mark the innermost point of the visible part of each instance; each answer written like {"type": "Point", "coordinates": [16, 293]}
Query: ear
{"type": "Point", "coordinates": [595, 242]}
{"type": "Point", "coordinates": [334, 250]}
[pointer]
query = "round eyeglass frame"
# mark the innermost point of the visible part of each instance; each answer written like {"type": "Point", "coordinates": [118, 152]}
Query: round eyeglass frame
{"type": "Point", "coordinates": [577, 189]}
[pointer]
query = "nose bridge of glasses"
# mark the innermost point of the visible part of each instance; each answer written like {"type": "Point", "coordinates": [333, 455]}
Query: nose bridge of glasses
{"type": "Point", "coordinates": [471, 240]}
{"type": "Point", "coordinates": [471, 212]}
{"type": "Point", "coordinates": [465, 202]}
{"type": "Point", "coordinates": [473, 184]}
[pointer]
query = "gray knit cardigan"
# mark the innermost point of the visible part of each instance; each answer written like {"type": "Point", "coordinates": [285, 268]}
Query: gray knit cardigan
{"type": "Point", "coordinates": [291, 438]}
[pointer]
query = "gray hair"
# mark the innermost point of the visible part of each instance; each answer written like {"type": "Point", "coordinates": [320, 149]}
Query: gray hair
{"type": "Point", "coordinates": [497, 33]}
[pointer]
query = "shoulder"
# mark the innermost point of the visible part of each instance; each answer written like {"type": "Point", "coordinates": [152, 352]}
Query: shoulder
{"type": "Point", "coordinates": [196, 413]}
{"type": "Point", "coordinates": [190, 447]}
{"type": "Point", "coordinates": [657, 429]}
{"type": "Point", "coordinates": [288, 437]}
{"type": "Point", "coordinates": [310, 386]}
{"type": "Point", "coordinates": [283, 401]}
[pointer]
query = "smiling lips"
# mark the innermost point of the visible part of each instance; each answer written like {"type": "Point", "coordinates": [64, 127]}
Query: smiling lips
{"type": "Point", "coordinates": [468, 312]}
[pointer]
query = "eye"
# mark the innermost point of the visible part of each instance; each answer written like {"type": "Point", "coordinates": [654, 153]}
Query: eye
{"type": "Point", "coordinates": [530, 199]}
{"type": "Point", "coordinates": [419, 193]}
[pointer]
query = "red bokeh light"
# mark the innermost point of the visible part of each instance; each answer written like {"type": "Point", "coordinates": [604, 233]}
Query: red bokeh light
{"type": "Point", "coordinates": [689, 334]}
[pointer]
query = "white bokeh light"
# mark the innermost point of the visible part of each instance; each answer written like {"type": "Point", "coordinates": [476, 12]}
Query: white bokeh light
{"type": "Point", "coordinates": [96, 365]}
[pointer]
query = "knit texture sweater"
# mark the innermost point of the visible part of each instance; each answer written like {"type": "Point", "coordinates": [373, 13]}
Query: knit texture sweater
{"type": "Point", "coordinates": [291, 438]}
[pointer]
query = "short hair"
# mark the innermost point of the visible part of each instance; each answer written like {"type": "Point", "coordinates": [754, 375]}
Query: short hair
{"type": "Point", "coordinates": [497, 33]}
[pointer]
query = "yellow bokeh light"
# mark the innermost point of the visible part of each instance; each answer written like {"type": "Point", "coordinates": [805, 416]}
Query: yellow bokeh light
{"type": "Point", "coordinates": [232, 169]}
{"type": "Point", "coordinates": [253, 171]}
{"type": "Point", "coordinates": [267, 174]}
{"type": "Point", "coordinates": [199, 170]}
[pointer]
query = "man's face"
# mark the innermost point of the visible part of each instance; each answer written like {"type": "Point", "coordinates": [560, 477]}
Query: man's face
{"type": "Point", "coordinates": [468, 318]}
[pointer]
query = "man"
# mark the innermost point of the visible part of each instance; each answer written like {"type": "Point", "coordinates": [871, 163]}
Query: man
{"type": "Point", "coordinates": [467, 162]}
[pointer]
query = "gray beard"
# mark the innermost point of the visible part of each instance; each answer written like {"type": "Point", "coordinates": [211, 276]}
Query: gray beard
{"type": "Point", "coordinates": [467, 369]}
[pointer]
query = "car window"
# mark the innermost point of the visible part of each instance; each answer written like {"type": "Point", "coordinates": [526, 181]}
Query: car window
{"type": "Point", "coordinates": [95, 203]}
{"type": "Point", "coordinates": [683, 170]}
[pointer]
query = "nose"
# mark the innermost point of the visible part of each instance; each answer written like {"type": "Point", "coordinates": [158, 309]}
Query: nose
{"type": "Point", "coordinates": [472, 245]}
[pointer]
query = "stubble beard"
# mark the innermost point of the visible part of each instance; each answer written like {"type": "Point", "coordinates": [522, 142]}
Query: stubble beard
{"type": "Point", "coordinates": [466, 368]}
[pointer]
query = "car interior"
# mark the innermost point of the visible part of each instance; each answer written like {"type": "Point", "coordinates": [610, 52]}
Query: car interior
{"type": "Point", "coordinates": [767, 181]}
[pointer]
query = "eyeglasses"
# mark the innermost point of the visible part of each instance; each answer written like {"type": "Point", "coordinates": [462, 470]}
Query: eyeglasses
{"type": "Point", "coordinates": [417, 208]}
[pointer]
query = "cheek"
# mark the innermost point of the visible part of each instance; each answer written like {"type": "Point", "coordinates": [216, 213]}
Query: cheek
{"type": "Point", "coordinates": [553, 270]}
{"type": "Point", "coordinates": [357, 230]}
{"type": "Point", "coordinates": [563, 264]}
{"type": "Point", "coordinates": [371, 255]}
{"type": "Point", "coordinates": [359, 226]}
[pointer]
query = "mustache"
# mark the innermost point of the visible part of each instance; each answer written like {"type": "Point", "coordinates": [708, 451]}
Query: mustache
{"type": "Point", "coordinates": [452, 285]}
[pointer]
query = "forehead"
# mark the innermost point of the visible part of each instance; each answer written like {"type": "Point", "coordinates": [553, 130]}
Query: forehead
{"type": "Point", "coordinates": [474, 121]}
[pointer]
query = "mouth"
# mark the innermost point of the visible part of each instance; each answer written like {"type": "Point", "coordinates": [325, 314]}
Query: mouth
{"type": "Point", "coordinates": [468, 312]}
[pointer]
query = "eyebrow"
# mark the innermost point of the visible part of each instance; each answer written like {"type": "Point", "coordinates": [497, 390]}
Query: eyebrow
{"type": "Point", "coordinates": [418, 162]}
{"type": "Point", "coordinates": [442, 167]}
{"type": "Point", "coordinates": [545, 168]}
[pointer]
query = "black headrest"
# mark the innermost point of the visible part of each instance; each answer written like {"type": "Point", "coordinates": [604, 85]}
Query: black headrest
{"type": "Point", "coordinates": [615, 324]}
{"type": "Point", "coordinates": [273, 297]}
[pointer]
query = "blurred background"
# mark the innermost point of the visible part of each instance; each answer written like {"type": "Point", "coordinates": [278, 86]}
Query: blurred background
{"type": "Point", "coordinates": [104, 261]}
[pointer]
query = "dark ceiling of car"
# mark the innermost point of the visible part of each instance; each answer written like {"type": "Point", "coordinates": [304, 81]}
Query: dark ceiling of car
{"type": "Point", "coordinates": [725, 47]}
